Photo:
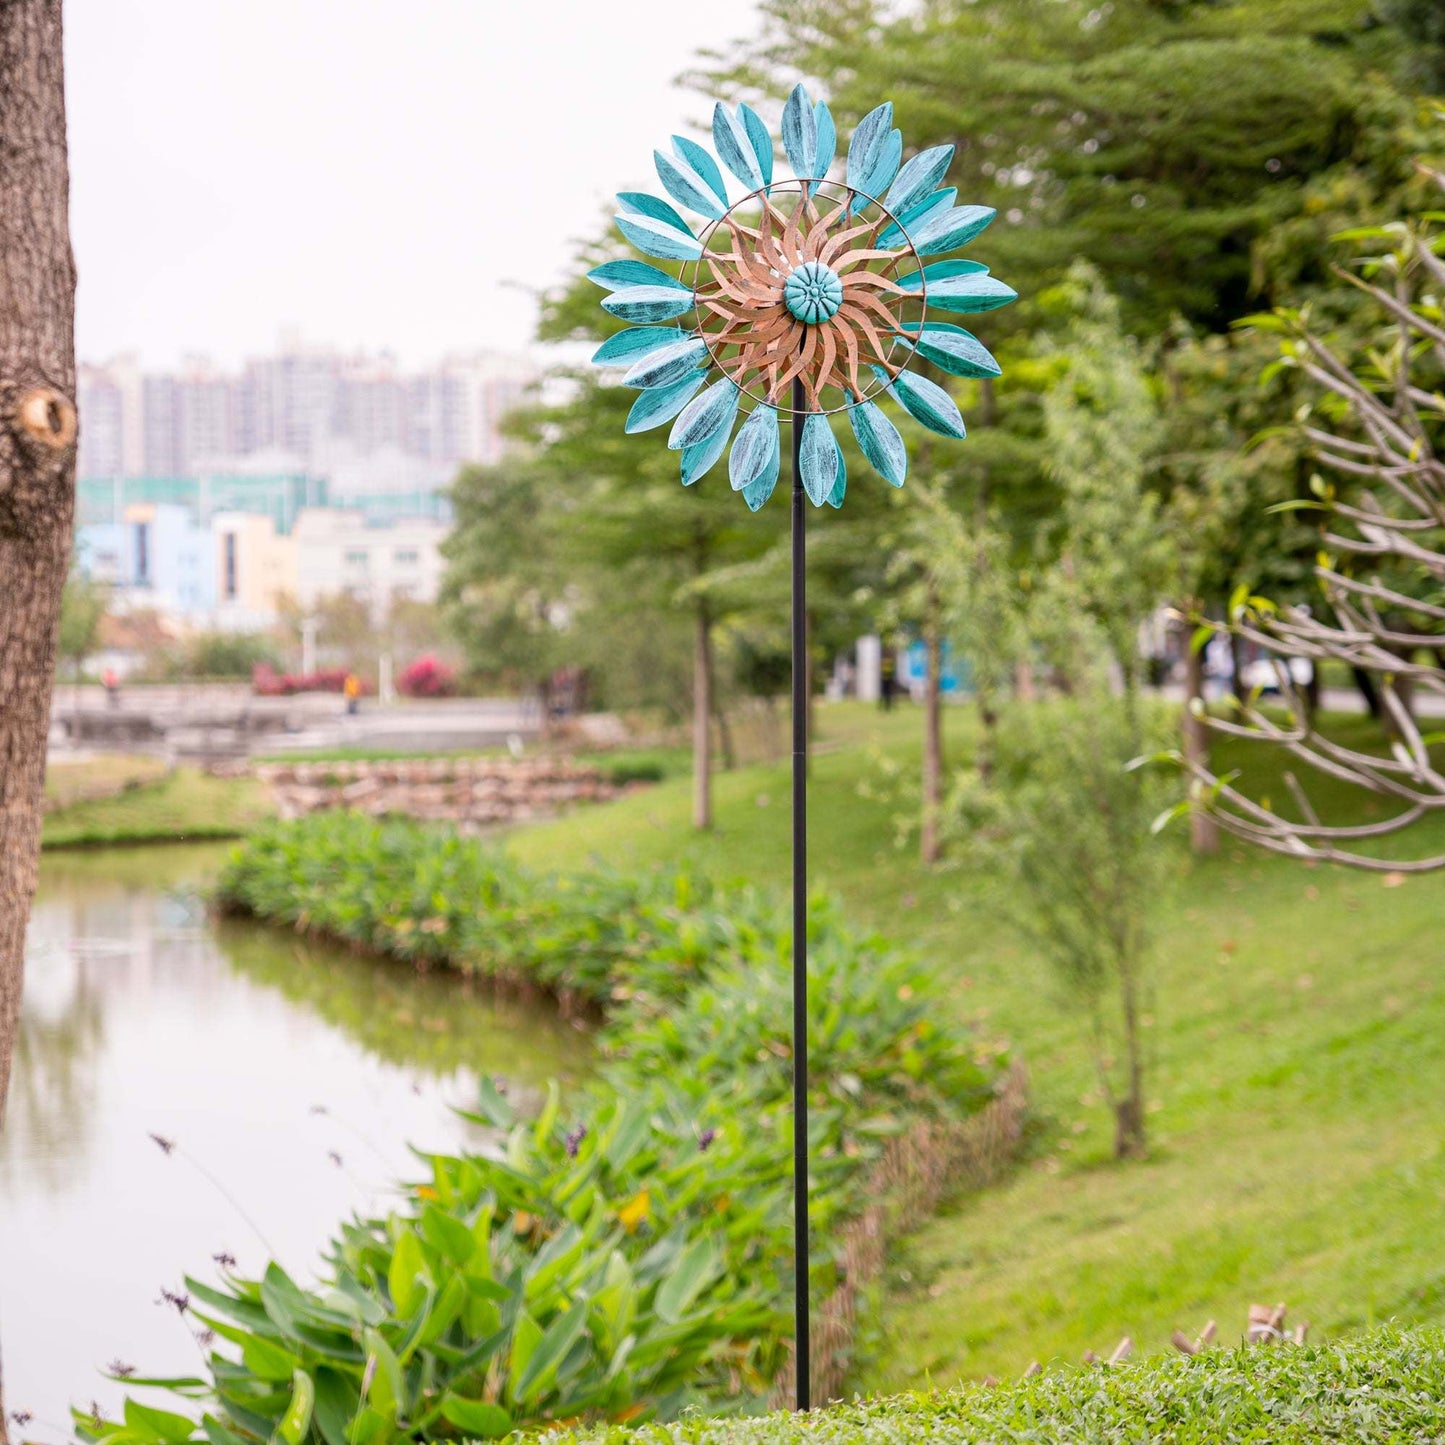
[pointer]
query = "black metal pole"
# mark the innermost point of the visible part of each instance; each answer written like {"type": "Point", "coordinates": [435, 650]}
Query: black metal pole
{"type": "Point", "coordinates": [800, 916]}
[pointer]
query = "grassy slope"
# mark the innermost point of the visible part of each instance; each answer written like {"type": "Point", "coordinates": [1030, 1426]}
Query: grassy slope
{"type": "Point", "coordinates": [1300, 1038]}
{"type": "Point", "coordinates": [184, 805]}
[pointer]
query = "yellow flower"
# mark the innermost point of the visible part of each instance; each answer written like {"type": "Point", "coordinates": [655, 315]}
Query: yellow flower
{"type": "Point", "coordinates": [636, 1211]}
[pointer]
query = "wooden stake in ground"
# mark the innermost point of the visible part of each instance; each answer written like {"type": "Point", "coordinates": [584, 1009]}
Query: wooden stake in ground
{"type": "Point", "coordinates": [37, 452]}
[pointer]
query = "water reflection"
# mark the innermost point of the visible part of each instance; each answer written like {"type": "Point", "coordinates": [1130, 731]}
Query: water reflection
{"type": "Point", "coordinates": [292, 1077]}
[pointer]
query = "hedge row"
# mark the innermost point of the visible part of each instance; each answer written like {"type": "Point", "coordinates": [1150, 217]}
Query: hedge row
{"type": "Point", "coordinates": [1387, 1386]}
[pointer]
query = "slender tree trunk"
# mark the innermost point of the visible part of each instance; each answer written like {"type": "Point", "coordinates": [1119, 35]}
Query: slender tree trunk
{"type": "Point", "coordinates": [1203, 830]}
{"type": "Point", "coordinates": [1024, 688]}
{"type": "Point", "coordinates": [1366, 684]}
{"type": "Point", "coordinates": [37, 456]}
{"type": "Point", "coordinates": [724, 730]}
{"type": "Point", "coordinates": [1129, 1136]}
{"type": "Point", "coordinates": [1236, 658]}
{"type": "Point", "coordinates": [702, 720]}
{"type": "Point", "coordinates": [930, 843]}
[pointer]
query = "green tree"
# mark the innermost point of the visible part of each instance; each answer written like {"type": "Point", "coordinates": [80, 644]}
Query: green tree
{"type": "Point", "coordinates": [1161, 140]}
{"type": "Point", "coordinates": [82, 606]}
{"type": "Point", "coordinates": [1101, 429]}
{"type": "Point", "coordinates": [504, 595]}
{"type": "Point", "coordinates": [1066, 835]}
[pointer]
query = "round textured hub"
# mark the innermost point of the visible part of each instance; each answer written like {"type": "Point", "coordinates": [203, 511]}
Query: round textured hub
{"type": "Point", "coordinates": [813, 292]}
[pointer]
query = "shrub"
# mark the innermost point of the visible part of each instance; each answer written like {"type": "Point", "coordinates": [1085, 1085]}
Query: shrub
{"type": "Point", "coordinates": [267, 682]}
{"type": "Point", "coordinates": [627, 1256]}
{"type": "Point", "coordinates": [428, 676]}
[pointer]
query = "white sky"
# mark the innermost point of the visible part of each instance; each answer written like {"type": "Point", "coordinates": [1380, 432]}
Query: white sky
{"type": "Point", "coordinates": [372, 172]}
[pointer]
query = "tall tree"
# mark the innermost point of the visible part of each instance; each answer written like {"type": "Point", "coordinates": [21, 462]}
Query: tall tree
{"type": "Point", "coordinates": [1163, 140]}
{"type": "Point", "coordinates": [37, 457]}
{"type": "Point", "coordinates": [37, 451]}
{"type": "Point", "coordinates": [1374, 424]}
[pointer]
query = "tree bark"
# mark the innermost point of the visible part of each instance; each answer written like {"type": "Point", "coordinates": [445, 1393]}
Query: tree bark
{"type": "Point", "coordinates": [37, 452]}
{"type": "Point", "coordinates": [37, 456]}
{"type": "Point", "coordinates": [930, 841]}
{"type": "Point", "coordinates": [1203, 830]}
{"type": "Point", "coordinates": [702, 720]}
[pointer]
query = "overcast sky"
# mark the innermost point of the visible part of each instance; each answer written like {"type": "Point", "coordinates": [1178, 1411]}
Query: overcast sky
{"type": "Point", "coordinates": [375, 173]}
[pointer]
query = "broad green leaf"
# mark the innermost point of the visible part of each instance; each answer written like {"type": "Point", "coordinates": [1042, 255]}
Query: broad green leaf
{"type": "Point", "coordinates": [152, 1424]}
{"type": "Point", "coordinates": [297, 1420]}
{"type": "Point", "coordinates": [267, 1360]}
{"type": "Point", "coordinates": [386, 1394]}
{"type": "Point", "coordinates": [403, 1279]}
{"type": "Point", "coordinates": [697, 1268]}
{"type": "Point", "coordinates": [476, 1419]}
{"type": "Point", "coordinates": [561, 1335]}
{"type": "Point", "coordinates": [337, 1396]}
{"type": "Point", "coordinates": [526, 1336]}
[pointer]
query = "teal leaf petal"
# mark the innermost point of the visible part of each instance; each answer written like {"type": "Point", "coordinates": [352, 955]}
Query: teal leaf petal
{"type": "Point", "coordinates": [662, 403]}
{"type": "Point", "coordinates": [827, 146]}
{"type": "Point", "coordinates": [915, 182]}
{"type": "Point", "coordinates": [953, 349]}
{"type": "Point", "coordinates": [949, 230]}
{"type": "Point", "coordinates": [715, 408]}
{"type": "Point", "coordinates": [880, 442]}
{"type": "Point", "coordinates": [637, 341]}
{"type": "Point", "coordinates": [925, 401]}
{"type": "Point", "coordinates": [701, 458]}
{"type": "Point", "coordinates": [757, 492]}
{"type": "Point", "coordinates": [614, 275]}
{"type": "Point", "coordinates": [881, 176]}
{"type": "Point", "coordinates": [940, 271]}
{"type": "Point", "coordinates": [735, 146]}
{"type": "Point", "coordinates": [754, 447]}
{"type": "Point", "coordinates": [668, 366]}
{"type": "Point", "coordinates": [659, 238]}
{"type": "Point", "coordinates": [685, 186]}
{"type": "Point", "coordinates": [761, 141]}
{"type": "Point", "coordinates": [840, 484]}
{"type": "Point", "coordinates": [867, 146]}
{"type": "Point", "coordinates": [912, 220]}
{"type": "Point", "coordinates": [967, 293]}
{"type": "Point", "coordinates": [639, 203]}
{"type": "Point", "coordinates": [800, 133]}
{"type": "Point", "coordinates": [700, 159]}
{"type": "Point", "coordinates": [818, 458]}
{"type": "Point", "coordinates": [647, 303]}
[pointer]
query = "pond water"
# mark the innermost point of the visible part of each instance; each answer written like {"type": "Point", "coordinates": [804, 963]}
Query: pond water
{"type": "Point", "coordinates": [290, 1077]}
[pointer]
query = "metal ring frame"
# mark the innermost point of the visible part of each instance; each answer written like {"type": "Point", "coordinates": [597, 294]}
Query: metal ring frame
{"type": "Point", "coordinates": [802, 183]}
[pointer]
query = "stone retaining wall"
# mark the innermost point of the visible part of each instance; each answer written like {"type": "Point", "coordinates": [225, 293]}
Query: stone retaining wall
{"type": "Point", "coordinates": [471, 791]}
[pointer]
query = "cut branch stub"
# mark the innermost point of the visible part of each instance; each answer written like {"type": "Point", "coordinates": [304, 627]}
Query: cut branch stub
{"type": "Point", "coordinates": [47, 419]}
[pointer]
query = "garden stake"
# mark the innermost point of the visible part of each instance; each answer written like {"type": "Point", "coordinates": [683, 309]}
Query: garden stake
{"type": "Point", "coordinates": [809, 296]}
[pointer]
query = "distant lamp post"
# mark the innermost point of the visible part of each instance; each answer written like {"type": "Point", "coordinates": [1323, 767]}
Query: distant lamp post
{"type": "Point", "coordinates": [806, 297]}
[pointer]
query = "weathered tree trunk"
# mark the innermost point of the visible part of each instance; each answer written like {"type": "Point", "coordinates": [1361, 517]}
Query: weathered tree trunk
{"type": "Point", "coordinates": [37, 451]}
{"type": "Point", "coordinates": [1203, 830]}
{"type": "Point", "coordinates": [37, 456]}
{"type": "Point", "coordinates": [702, 720]}
{"type": "Point", "coordinates": [930, 842]}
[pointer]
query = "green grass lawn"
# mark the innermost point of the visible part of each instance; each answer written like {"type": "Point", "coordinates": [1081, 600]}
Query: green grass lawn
{"type": "Point", "coordinates": [1298, 1080]}
{"type": "Point", "coordinates": [183, 805]}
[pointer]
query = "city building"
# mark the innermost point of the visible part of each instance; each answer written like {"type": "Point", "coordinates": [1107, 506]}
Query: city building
{"type": "Point", "coordinates": [344, 552]}
{"type": "Point", "coordinates": [255, 571]}
{"type": "Point", "coordinates": [311, 403]}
